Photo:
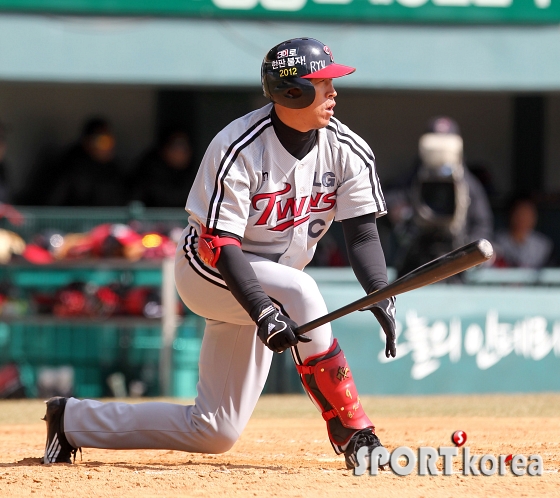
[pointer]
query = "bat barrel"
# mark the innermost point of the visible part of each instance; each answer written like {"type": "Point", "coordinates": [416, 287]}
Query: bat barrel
{"type": "Point", "coordinates": [450, 264]}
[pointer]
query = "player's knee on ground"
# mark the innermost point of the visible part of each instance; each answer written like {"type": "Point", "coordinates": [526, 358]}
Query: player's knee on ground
{"type": "Point", "coordinates": [218, 438]}
{"type": "Point", "coordinates": [220, 444]}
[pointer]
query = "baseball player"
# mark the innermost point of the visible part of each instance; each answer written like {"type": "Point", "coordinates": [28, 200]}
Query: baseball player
{"type": "Point", "coordinates": [269, 186]}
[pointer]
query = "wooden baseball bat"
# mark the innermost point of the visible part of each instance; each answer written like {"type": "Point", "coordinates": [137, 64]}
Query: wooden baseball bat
{"type": "Point", "coordinates": [443, 267]}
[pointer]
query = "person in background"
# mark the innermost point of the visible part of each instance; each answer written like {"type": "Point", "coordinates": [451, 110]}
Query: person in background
{"type": "Point", "coordinates": [520, 246]}
{"type": "Point", "coordinates": [88, 174]}
{"type": "Point", "coordinates": [443, 205]}
{"type": "Point", "coordinates": [165, 174]}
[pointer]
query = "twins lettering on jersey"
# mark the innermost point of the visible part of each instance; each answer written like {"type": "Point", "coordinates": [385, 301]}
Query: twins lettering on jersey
{"type": "Point", "coordinates": [290, 211]}
{"type": "Point", "coordinates": [341, 161]}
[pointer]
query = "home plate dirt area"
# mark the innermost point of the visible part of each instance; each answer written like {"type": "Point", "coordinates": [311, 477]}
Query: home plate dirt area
{"type": "Point", "coordinates": [284, 451]}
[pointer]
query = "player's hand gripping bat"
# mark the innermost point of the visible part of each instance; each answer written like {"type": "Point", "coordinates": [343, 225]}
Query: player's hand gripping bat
{"type": "Point", "coordinates": [443, 267]}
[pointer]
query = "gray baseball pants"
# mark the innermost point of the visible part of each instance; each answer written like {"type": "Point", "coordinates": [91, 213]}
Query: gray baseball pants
{"type": "Point", "coordinates": [233, 368]}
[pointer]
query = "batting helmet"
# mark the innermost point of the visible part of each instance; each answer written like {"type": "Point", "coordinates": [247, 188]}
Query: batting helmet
{"type": "Point", "coordinates": [287, 67]}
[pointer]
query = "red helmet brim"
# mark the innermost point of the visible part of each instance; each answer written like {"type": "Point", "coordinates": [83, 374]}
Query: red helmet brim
{"type": "Point", "coordinates": [332, 71]}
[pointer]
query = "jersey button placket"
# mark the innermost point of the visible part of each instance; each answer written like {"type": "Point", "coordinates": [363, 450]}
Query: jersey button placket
{"type": "Point", "coordinates": [301, 189]}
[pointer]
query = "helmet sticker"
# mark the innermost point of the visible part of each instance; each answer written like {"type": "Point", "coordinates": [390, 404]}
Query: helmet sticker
{"type": "Point", "coordinates": [288, 62]}
{"type": "Point", "coordinates": [317, 66]}
{"type": "Point", "coordinates": [292, 52]}
{"type": "Point", "coordinates": [328, 52]}
{"type": "Point", "coordinates": [289, 71]}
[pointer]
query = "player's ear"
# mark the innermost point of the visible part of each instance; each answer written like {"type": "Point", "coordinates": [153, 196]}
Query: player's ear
{"type": "Point", "coordinates": [295, 93]}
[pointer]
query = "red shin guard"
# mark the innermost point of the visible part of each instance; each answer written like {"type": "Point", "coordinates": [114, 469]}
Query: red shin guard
{"type": "Point", "coordinates": [328, 381]}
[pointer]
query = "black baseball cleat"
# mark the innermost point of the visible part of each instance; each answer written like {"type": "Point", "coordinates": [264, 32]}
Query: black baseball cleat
{"type": "Point", "coordinates": [57, 449]}
{"type": "Point", "coordinates": [364, 437]}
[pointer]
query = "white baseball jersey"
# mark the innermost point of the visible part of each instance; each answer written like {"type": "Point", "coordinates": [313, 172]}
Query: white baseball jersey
{"type": "Point", "coordinates": [249, 185]}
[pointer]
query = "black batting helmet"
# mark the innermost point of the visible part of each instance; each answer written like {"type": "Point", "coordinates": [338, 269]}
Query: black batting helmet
{"type": "Point", "coordinates": [287, 67]}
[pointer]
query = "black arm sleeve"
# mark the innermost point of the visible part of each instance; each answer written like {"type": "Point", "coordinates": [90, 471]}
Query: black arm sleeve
{"type": "Point", "coordinates": [242, 280]}
{"type": "Point", "coordinates": [365, 252]}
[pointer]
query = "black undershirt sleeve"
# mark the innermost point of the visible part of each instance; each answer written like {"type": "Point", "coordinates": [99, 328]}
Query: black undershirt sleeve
{"type": "Point", "coordinates": [365, 252]}
{"type": "Point", "coordinates": [241, 279]}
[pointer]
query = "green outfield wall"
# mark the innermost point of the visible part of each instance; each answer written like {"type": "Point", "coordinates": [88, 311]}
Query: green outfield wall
{"type": "Point", "coordinates": [454, 339]}
{"type": "Point", "coordinates": [456, 11]}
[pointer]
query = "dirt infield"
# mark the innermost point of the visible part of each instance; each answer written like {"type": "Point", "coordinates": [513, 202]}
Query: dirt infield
{"type": "Point", "coordinates": [285, 452]}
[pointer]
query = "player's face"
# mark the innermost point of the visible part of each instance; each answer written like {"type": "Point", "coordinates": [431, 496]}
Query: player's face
{"type": "Point", "coordinates": [101, 147]}
{"type": "Point", "coordinates": [315, 116]}
{"type": "Point", "coordinates": [177, 151]}
{"type": "Point", "coordinates": [321, 110]}
{"type": "Point", "coordinates": [523, 218]}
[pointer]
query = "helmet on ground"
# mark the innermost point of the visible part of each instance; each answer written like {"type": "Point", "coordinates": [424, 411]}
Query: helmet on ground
{"type": "Point", "coordinates": [287, 67]}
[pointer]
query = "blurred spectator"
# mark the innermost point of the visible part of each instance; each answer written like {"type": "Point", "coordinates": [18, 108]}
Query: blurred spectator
{"type": "Point", "coordinates": [521, 246]}
{"type": "Point", "coordinates": [164, 175]}
{"type": "Point", "coordinates": [443, 206]}
{"type": "Point", "coordinates": [88, 174]}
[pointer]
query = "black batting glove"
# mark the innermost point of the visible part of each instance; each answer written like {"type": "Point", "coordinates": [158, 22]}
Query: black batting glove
{"type": "Point", "coordinates": [278, 332]}
{"type": "Point", "coordinates": [385, 312]}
